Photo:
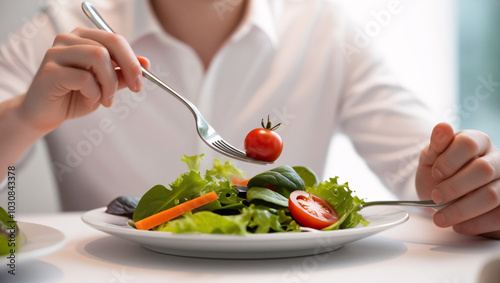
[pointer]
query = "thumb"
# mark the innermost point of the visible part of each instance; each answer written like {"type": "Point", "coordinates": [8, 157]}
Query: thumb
{"type": "Point", "coordinates": [441, 137]}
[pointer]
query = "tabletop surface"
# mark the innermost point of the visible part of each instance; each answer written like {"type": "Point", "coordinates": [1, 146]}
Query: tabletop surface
{"type": "Point", "coordinates": [415, 251]}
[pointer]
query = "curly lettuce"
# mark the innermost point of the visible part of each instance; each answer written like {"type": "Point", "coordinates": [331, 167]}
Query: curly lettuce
{"type": "Point", "coordinates": [252, 219]}
{"type": "Point", "coordinates": [344, 202]}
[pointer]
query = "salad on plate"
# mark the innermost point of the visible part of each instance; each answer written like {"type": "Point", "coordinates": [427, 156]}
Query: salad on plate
{"type": "Point", "coordinates": [222, 201]}
{"type": "Point", "coordinates": [10, 236]}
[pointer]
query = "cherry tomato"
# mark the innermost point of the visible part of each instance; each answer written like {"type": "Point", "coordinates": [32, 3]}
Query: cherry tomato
{"type": "Point", "coordinates": [264, 143]}
{"type": "Point", "coordinates": [311, 211]}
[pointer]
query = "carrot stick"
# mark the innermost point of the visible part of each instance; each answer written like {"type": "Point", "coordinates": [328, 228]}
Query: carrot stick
{"type": "Point", "coordinates": [171, 213]}
{"type": "Point", "coordinates": [235, 181]}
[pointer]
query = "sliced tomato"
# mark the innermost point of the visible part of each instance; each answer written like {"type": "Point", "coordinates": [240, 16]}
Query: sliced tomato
{"type": "Point", "coordinates": [311, 211]}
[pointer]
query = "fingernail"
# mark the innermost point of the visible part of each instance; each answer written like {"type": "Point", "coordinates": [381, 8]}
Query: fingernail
{"type": "Point", "coordinates": [437, 174]}
{"type": "Point", "coordinates": [438, 134]}
{"type": "Point", "coordinates": [96, 104]}
{"type": "Point", "coordinates": [138, 84]}
{"type": "Point", "coordinates": [437, 197]}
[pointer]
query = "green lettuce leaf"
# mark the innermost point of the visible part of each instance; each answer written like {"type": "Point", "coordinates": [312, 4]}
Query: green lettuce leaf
{"type": "Point", "coordinates": [264, 220]}
{"type": "Point", "coordinates": [342, 199]}
{"type": "Point", "coordinates": [287, 222]}
{"type": "Point", "coordinates": [193, 162]}
{"type": "Point", "coordinates": [224, 171]}
{"type": "Point", "coordinates": [7, 227]}
{"type": "Point", "coordinates": [207, 222]}
{"type": "Point", "coordinates": [191, 185]}
{"type": "Point", "coordinates": [188, 186]}
{"type": "Point", "coordinates": [252, 219]}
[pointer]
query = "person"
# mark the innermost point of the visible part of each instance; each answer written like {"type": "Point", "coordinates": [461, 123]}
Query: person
{"type": "Point", "coordinates": [110, 133]}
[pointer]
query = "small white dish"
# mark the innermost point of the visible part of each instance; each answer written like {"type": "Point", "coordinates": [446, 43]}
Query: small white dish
{"type": "Point", "coordinates": [39, 240]}
{"type": "Point", "coordinates": [254, 246]}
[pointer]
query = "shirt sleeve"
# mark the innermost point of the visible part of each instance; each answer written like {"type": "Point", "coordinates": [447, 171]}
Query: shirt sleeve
{"type": "Point", "coordinates": [22, 53]}
{"type": "Point", "coordinates": [20, 58]}
{"type": "Point", "coordinates": [387, 124]}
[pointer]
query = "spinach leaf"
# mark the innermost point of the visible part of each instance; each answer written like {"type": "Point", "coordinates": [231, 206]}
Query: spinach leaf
{"type": "Point", "coordinates": [309, 177]}
{"type": "Point", "coordinates": [266, 195]}
{"type": "Point", "coordinates": [123, 206]}
{"type": "Point", "coordinates": [284, 179]}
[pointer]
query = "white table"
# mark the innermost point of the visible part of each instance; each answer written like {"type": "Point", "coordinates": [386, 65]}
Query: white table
{"type": "Point", "coordinates": [415, 251]}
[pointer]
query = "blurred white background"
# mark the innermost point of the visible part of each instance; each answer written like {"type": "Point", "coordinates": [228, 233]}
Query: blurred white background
{"type": "Point", "coordinates": [419, 44]}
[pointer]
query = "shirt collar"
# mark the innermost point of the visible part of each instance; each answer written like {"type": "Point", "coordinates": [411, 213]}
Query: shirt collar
{"type": "Point", "coordinates": [258, 14]}
{"type": "Point", "coordinates": [144, 21]}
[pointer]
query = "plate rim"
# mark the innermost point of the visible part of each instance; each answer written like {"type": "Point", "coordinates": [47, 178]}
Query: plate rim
{"type": "Point", "coordinates": [148, 233]}
{"type": "Point", "coordinates": [30, 249]}
{"type": "Point", "coordinates": [242, 246]}
{"type": "Point", "coordinates": [124, 228]}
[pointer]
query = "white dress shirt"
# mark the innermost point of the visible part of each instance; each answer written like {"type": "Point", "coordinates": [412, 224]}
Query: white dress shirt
{"type": "Point", "coordinates": [297, 61]}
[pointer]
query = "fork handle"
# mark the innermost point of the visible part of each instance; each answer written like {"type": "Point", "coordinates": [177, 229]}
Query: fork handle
{"type": "Point", "coordinates": [423, 203]}
{"type": "Point", "coordinates": [151, 77]}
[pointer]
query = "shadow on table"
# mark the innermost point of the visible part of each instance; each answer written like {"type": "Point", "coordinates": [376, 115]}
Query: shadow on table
{"type": "Point", "coordinates": [33, 271]}
{"type": "Point", "coordinates": [359, 253]}
{"type": "Point", "coordinates": [447, 241]}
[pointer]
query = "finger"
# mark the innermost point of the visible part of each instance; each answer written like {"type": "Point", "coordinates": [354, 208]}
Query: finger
{"type": "Point", "coordinates": [121, 80]}
{"type": "Point", "coordinates": [467, 208]}
{"type": "Point", "coordinates": [424, 182]}
{"type": "Point", "coordinates": [71, 39]}
{"type": "Point", "coordinates": [144, 62]}
{"type": "Point", "coordinates": [120, 52]}
{"type": "Point", "coordinates": [476, 174]}
{"type": "Point", "coordinates": [466, 146]}
{"type": "Point", "coordinates": [442, 135]}
{"type": "Point", "coordinates": [486, 223]}
{"type": "Point", "coordinates": [93, 58]}
{"type": "Point", "coordinates": [71, 79]}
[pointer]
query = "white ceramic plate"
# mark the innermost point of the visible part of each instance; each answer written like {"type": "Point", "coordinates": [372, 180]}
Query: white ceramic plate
{"type": "Point", "coordinates": [255, 246]}
{"type": "Point", "coordinates": [39, 240]}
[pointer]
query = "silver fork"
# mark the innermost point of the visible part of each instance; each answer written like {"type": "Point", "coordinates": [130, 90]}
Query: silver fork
{"type": "Point", "coordinates": [206, 132]}
{"type": "Point", "coordinates": [422, 203]}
